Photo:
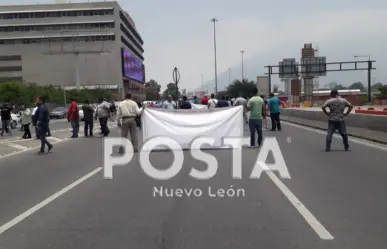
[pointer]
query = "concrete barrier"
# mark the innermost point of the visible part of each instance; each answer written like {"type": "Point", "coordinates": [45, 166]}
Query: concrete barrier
{"type": "Point", "coordinates": [370, 122]}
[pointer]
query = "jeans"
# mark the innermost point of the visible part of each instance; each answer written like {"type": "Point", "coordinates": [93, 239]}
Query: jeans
{"type": "Point", "coordinates": [42, 130]}
{"type": "Point", "coordinates": [75, 126]}
{"type": "Point", "coordinates": [341, 127]}
{"type": "Point", "coordinates": [255, 125]}
{"type": "Point", "coordinates": [89, 127]}
{"type": "Point", "coordinates": [6, 126]}
{"type": "Point", "coordinates": [275, 121]}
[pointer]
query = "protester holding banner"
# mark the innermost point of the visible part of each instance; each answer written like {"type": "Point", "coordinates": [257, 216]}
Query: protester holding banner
{"type": "Point", "coordinates": [185, 104]}
{"type": "Point", "coordinates": [212, 102]}
{"type": "Point", "coordinates": [222, 102]}
{"type": "Point", "coordinates": [242, 101]}
{"type": "Point", "coordinates": [205, 100]}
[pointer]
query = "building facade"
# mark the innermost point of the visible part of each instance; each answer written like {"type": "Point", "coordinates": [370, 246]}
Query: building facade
{"type": "Point", "coordinates": [72, 45]}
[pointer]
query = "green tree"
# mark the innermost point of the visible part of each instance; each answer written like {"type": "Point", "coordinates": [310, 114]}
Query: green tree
{"type": "Point", "coordinates": [357, 85]}
{"type": "Point", "coordinates": [376, 86]}
{"type": "Point", "coordinates": [383, 91]}
{"type": "Point", "coordinates": [152, 90]}
{"type": "Point", "coordinates": [244, 88]}
{"type": "Point", "coordinates": [339, 87]}
{"type": "Point", "coordinates": [171, 90]}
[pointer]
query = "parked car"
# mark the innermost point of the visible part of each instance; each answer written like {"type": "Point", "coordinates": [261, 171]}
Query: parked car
{"type": "Point", "coordinates": [58, 113]}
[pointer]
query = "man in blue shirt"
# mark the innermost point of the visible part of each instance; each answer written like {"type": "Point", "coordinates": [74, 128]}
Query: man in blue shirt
{"type": "Point", "coordinates": [274, 104]}
{"type": "Point", "coordinates": [42, 120]}
{"type": "Point", "coordinates": [222, 102]}
{"type": "Point", "coordinates": [185, 104]}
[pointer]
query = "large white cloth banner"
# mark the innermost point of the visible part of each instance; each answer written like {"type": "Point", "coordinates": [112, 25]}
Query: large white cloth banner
{"type": "Point", "coordinates": [197, 106]}
{"type": "Point", "coordinates": [184, 126]}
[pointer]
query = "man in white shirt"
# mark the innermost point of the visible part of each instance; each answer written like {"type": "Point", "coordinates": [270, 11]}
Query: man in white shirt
{"type": "Point", "coordinates": [212, 102]}
{"type": "Point", "coordinates": [242, 101]}
{"type": "Point", "coordinates": [169, 104]}
{"type": "Point", "coordinates": [126, 119]}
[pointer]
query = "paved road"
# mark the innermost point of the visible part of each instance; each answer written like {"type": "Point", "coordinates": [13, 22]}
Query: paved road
{"type": "Point", "coordinates": [344, 192]}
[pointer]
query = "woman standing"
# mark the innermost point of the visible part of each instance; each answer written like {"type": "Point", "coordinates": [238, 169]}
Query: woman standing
{"type": "Point", "coordinates": [26, 121]}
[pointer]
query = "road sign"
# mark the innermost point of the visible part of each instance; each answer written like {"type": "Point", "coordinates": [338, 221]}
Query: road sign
{"type": "Point", "coordinates": [288, 68]}
{"type": "Point", "coordinates": [313, 66]}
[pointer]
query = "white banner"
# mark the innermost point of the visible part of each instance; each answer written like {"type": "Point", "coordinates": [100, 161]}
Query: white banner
{"type": "Point", "coordinates": [197, 106]}
{"type": "Point", "coordinates": [185, 125]}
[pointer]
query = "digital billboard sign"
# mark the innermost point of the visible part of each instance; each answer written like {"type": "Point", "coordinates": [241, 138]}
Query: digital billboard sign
{"type": "Point", "coordinates": [133, 67]}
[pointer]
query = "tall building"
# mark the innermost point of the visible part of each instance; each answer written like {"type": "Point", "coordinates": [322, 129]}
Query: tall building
{"type": "Point", "coordinates": [72, 45]}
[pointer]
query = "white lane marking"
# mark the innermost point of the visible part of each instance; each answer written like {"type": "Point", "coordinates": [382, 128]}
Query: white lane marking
{"type": "Point", "coordinates": [17, 146]}
{"type": "Point", "coordinates": [355, 140]}
{"type": "Point", "coordinates": [47, 201]}
{"type": "Point", "coordinates": [321, 231]}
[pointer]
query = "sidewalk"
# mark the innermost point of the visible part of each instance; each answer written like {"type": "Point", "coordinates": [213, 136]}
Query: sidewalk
{"type": "Point", "coordinates": [375, 136]}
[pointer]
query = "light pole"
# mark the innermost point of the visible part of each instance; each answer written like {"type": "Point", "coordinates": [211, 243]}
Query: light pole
{"type": "Point", "coordinates": [202, 83]}
{"type": "Point", "coordinates": [242, 52]}
{"type": "Point", "coordinates": [229, 76]}
{"type": "Point", "coordinates": [214, 20]}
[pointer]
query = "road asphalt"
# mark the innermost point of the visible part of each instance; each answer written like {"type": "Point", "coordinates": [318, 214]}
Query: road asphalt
{"type": "Point", "coordinates": [61, 200]}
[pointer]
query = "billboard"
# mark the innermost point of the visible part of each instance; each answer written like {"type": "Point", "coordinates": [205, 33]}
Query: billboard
{"type": "Point", "coordinates": [313, 66]}
{"type": "Point", "coordinates": [287, 68]}
{"type": "Point", "coordinates": [263, 85]}
{"type": "Point", "coordinates": [295, 87]}
{"type": "Point", "coordinates": [132, 66]}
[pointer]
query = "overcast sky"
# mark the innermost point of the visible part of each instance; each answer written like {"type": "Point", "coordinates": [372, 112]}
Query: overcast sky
{"type": "Point", "coordinates": [179, 33]}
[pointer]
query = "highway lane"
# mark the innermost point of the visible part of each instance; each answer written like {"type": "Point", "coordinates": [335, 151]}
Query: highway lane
{"type": "Point", "coordinates": [343, 190]}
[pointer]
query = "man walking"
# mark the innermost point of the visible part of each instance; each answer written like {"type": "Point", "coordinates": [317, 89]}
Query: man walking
{"type": "Point", "coordinates": [222, 103]}
{"type": "Point", "coordinates": [242, 101]}
{"type": "Point", "coordinates": [169, 104]}
{"type": "Point", "coordinates": [73, 118]}
{"type": "Point", "coordinates": [257, 109]}
{"type": "Point", "coordinates": [212, 102]}
{"type": "Point", "coordinates": [185, 104]}
{"type": "Point", "coordinates": [126, 113]}
{"type": "Point", "coordinates": [336, 119]}
{"type": "Point", "coordinates": [274, 104]}
{"type": "Point", "coordinates": [42, 117]}
{"type": "Point", "coordinates": [88, 112]}
{"type": "Point", "coordinates": [26, 121]}
{"type": "Point", "coordinates": [6, 118]}
{"type": "Point", "coordinates": [103, 115]}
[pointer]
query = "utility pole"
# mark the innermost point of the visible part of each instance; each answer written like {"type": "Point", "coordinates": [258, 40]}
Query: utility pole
{"type": "Point", "coordinates": [229, 76]}
{"type": "Point", "coordinates": [202, 83]}
{"type": "Point", "coordinates": [242, 52]}
{"type": "Point", "coordinates": [214, 20]}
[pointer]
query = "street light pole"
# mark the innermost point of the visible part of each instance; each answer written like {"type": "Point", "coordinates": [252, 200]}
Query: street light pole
{"type": "Point", "coordinates": [242, 52]}
{"type": "Point", "coordinates": [202, 83]}
{"type": "Point", "coordinates": [214, 20]}
{"type": "Point", "coordinates": [229, 76]}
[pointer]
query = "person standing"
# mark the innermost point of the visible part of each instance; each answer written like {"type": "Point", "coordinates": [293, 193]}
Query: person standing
{"type": "Point", "coordinates": [266, 107]}
{"type": "Point", "coordinates": [336, 119]}
{"type": "Point", "coordinates": [204, 100]}
{"type": "Point", "coordinates": [212, 102]}
{"type": "Point", "coordinates": [42, 117]}
{"type": "Point", "coordinates": [6, 118]}
{"type": "Point", "coordinates": [169, 103]}
{"type": "Point", "coordinates": [242, 101]}
{"type": "Point", "coordinates": [126, 113]}
{"type": "Point", "coordinates": [34, 121]}
{"type": "Point", "coordinates": [257, 109]}
{"type": "Point", "coordinates": [103, 114]}
{"type": "Point", "coordinates": [88, 112]}
{"type": "Point", "coordinates": [196, 100]}
{"type": "Point", "coordinates": [26, 121]}
{"type": "Point", "coordinates": [274, 104]}
{"type": "Point", "coordinates": [73, 118]}
{"type": "Point", "coordinates": [185, 104]}
{"type": "Point", "coordinates": [222, 102]}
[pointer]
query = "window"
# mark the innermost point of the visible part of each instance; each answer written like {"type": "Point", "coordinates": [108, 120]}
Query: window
{"type": "Point", "coordinates": [11, 69]}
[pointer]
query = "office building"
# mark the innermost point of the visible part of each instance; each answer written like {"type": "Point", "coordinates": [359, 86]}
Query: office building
{"type": "Point", "coordinates": [72, 45]}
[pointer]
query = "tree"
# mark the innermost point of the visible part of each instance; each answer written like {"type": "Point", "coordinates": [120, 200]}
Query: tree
{"type": "Point", "coordinates": [275, 88]}
{"type": "Point", "coordinates": [357, 85]}
{"type": "Point", "coordinates": [243, 88]}
{"type": "Point", "coordinates": [332, 85]}
{"type": "Point", "coordinates": [339, 87]}
{"type": "Point", "coordinates": [375, 87]}
{"type": "Point", "coordinates": [383, 91]}
{"type": "Point", "coordinates": [152, 90]}
{"type": "Point", "coordinates": [171, 90]}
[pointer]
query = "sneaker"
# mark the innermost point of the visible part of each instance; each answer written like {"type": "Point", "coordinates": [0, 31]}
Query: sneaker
{"type": "Point", "coordinates": [50, 147]}
{"type": "Point", "coordinates": [347, 148]}
{"type": "Point", "coordinates": [327, 150]}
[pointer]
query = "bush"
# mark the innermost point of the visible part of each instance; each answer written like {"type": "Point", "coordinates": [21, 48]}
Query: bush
{"type": "Point", "coordinates": [25, 94]}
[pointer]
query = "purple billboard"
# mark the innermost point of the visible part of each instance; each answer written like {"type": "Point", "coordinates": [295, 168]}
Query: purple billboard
{"type": "Point", "coordinates": [132, 66]}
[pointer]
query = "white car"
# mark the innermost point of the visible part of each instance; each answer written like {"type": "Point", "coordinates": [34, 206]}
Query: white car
{"type": "Point", "coordinates": [15, 121]}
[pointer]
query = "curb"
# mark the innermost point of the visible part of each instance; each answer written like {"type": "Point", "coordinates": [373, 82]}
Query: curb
{"type": "Point", "coordinates": [349, 134]}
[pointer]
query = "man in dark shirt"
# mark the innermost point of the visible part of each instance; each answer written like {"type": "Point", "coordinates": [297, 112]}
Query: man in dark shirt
{"type": "Point", "coordinates": [43, 118]}
{"type": "Point", "coordinates": [6, 119]}
{"type": "Point", "coordinates": [88, 113]}
{"type": "Point", "coordinates": [185, 104]}
{"type": "Point", "coordinates": [222, 102]}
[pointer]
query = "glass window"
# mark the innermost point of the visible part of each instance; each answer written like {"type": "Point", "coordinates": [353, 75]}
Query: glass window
{"type": "Point", "coordinates": [40, 15]}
